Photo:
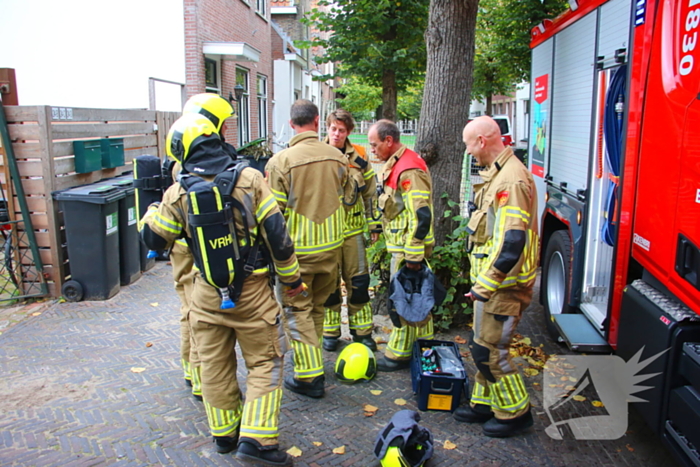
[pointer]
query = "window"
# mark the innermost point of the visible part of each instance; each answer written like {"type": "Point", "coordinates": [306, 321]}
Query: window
{"type": "Point", "coordinates": [262, 106]}
{"type": "Point", "coordinates": [261, 6]}
{"type": "Point", "coordinates": [211, 75]}
{"type": "Point", "coordinates": [243, 116]}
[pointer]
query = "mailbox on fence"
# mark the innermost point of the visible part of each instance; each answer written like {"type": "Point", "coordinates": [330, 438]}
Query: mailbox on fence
{"type": "Point", "coordinates": [88, 156]}
{"type": "Point", "coordinates": [112, 152]}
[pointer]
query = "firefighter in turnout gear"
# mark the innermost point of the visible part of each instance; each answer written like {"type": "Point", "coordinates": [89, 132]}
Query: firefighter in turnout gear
{"type": "Point", "coordinates": [254, 323]}
{"type": "Point", "coordinates": [308, 181]}
{"type": "Point", "coordinates": [406, 204]}
{"type": "Point", "coordinates": [504, 252]}
{"type": "Point", "coordinates": [354, 267]}
{"type": "Point", "coordinates": [216, 109]}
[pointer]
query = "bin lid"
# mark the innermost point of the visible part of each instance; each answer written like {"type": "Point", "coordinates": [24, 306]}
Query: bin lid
{"type": "Point", "coordinates": [124, 182]}
{"type": "Point", "coordinates": [96, 193]}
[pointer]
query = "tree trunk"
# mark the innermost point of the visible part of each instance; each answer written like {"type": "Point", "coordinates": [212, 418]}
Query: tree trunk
{"type": "Point", "coordinates": [489, 105]}
{"type": "Point", "coordinates": [389, 95]}
{"type": "Point", "coordinates": [450, 43]}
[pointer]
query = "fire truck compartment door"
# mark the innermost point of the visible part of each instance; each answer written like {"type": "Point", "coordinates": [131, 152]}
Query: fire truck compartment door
{"type": "Point", "coordinates": [572, 103]}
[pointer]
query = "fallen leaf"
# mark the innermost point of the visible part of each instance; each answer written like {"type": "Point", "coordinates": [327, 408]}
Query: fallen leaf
{"type": "Point", "coordinates": [369, 410]}
{"type": "Point", "coordinates": [294, 451]}
{"type": "Point", "coordinates": [554, 385]}
{"type": "Point", "coordinates": [376, 392]}
{"type": "Point", "coordinates": [552, 359]}
{"type": "Point", "coordinates": [526, 341]}
{"type": "Point", "coordinates": [531, 372]}
{"type": "Point", "coordinates": [564, 378]}
{"type": "Point", "coordinates": [36, 313]}
{"type": "Point", "coordinates": [149, 344]}
{"type": "Point", "coordinates": [535, 384]}
{"type": "Point", "coordinates": [137, 369]}
{"type": "Point", "coordinates": [572, 379]}
{"type": "Point", "coordinates": [154, 304]}
{"type": "Point", "coordinates": [597, 404]}
{"type": "Point", "coordinates": [629, 448]}
{"type": "Point", "coordinates": [340, 450]}
{"type": "Point", "coordinates": [579, 398]}
{"type": "Point", "coordinates": [449, 445]}
{"type": "Point", "coordinates": [570, 388]}
{"type": "Point", "coordinates": [460, 340]}
{"type": "Point", "coordinates": [317, 443]}
{"type": "Point", "coordinates": [400, 402]}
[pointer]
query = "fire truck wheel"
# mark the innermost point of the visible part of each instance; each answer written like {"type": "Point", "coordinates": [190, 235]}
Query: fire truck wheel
{"type": "Point", "coordinates": [556, 275]}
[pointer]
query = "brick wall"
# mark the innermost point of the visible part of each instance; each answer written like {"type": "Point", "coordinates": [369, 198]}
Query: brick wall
{"type": "Point", "coordinates": [229, 21]}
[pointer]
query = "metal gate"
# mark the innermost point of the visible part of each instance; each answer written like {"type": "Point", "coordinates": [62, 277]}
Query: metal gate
{"type": "Point", "coordinates": [21, 268]}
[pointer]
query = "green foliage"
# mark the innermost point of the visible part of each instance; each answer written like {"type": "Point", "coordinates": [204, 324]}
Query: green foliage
{"type": "Point", "coordinates": [410, 102]}
{"type": "Point", "coordinates": [450, 263]}
{"type": "Point", "coordinates": [362, 100]}
{"type": "Point", "coordinates": [379, 41]}
{"type": "Point", "coordinates": [502, 57]}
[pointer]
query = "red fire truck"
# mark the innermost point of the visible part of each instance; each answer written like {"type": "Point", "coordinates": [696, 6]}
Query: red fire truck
{"type": "Point", "coordinates": [615, 149]}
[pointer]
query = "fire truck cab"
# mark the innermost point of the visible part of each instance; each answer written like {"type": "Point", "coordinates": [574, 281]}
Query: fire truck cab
{"type": "Point", "coordinates": [615, 150]}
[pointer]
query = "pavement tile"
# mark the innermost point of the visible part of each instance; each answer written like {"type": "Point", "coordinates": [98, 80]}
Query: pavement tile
{"type": "Point", "coordinates": [69, 397]}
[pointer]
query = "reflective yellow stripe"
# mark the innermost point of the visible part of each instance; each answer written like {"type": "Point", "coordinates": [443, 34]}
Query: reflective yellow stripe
{"type": "Point", "coordinates": [279, 196]}
{"type": "Point", "coordinates": [181, 241]}
{"type": "Point", "coordinates": [167, 224]}
{"type": "Point", "coordinates": [289, 270]}
{"type": "Point", "coordinates": [222, 422]}
{"type": "Point", "coordinates": [261, 415]}
{"type": "Point", "coordinates": [308, 361]}
{"type": "Point", "coordinates": [265, 206]}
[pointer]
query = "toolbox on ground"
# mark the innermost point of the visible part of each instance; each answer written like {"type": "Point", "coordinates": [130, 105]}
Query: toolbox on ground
{"type": "Point", "coordinates": [438, 375]}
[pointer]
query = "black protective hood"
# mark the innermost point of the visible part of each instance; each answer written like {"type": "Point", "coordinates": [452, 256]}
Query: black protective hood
{"type": "Point", "coordinates": [207, 156]}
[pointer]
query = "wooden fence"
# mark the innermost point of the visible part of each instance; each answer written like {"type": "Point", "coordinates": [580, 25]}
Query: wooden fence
{"type": "Point", "coordinates": [42, 139]}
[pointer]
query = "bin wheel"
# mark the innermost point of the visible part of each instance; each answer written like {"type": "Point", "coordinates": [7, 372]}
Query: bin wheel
{"type": "Point", "coordinates": [72, 291]}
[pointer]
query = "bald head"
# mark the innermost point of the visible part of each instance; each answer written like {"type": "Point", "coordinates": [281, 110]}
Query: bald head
{"type": "Point", "coordinates": [482, 136]}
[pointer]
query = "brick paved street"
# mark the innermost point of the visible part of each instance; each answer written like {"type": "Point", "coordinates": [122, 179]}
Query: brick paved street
{"type": "Point", "coordinates": [68, 397]}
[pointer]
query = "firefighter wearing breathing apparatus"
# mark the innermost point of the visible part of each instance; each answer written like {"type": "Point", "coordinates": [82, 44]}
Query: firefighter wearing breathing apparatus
{"type": "Point", "coordinates": [308, 181]}
{"type": "Point", "coordinates": [354, 267]}
{"type": "Point", "coordinates": [406, 205]}
{"type": "Point", "coordinates": [216, 109]}
{"type": "Point", "coordinates": [504, 246]}
{"type": "Point", "coordinates": [253, 230]}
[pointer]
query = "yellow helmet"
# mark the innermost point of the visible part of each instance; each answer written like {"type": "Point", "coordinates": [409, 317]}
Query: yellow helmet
{"type": "Point", "coordinates": [213, 106]}
{"type": "Point", "coordinates": [394, 458]}
{"type": "Point", "coordinates": [187, 132]}
{"type": "Point", "coordinates": [355, 363]}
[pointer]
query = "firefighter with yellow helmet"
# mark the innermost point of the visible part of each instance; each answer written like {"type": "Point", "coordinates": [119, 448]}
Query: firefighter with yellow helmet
{"type": "Point", "coordinates": [354, 267]}
{"type": "Point", "coordinates": [308, 181]}
{"type": "Point", "coordinates": [216, 109]}
{"type": "Point", "coordinates": [254, 323]}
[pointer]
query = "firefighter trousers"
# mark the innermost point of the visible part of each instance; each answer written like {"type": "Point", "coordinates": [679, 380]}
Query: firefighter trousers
{"type": "Point", "coordinates": [354, 270]}
{"type": "Point", "coordinates": [183, 274]}
{"type": "Point", "coordinates": [255, 325]}
{"type": "Point", "coordinates": [400, 346]}
{"type": "Point", "coordinates": [498, 383]}
{"type": "Point", "coordinates": [303, 314]}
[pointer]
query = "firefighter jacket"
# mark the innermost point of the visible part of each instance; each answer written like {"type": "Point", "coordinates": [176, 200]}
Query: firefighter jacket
{"type": "Point", "coordinates": [359, 191]}
{"type": "Point", "coordinates": [308, 181]}
{"type": "Point", "coordinates": [503, 234]}
{"type": "Point", "coordinates": [168, 222]}
{"type": "Point", "coordinates": [406, 203]}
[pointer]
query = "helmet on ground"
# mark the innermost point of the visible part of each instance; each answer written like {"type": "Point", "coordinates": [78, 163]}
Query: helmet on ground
{"type": "Point", "coordinates": [403, 442]}
{"type": "Point", "coordinates": [213, 106]}
{"type": "Point", "coordinates": [396, 457]}
{"type": "Point", "coordinates": [188, 131]}
{"type": "Point", "coordinates": [355, 363]}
